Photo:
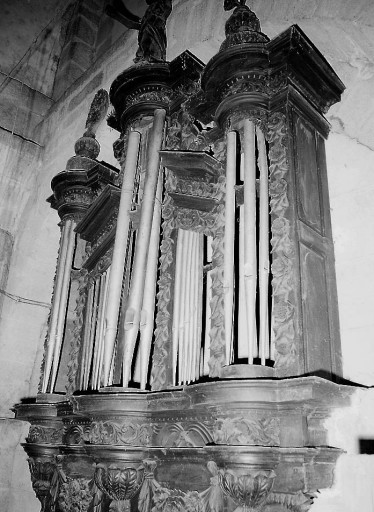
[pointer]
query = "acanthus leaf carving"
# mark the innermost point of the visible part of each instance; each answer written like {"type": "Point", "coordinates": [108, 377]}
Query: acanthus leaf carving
{"type": "Point", "coordinates": [42, 471]}
{"type": "Point", "coordinates": [242, 431]}
{"type": "Point", "coordinates": [127, 433]}
{"type": "Point", "coordinates": [248, 490]}
{"type": "Point", "coordinates": [119, 483]}
{"type": "Point", "coordinates": [298, 502]}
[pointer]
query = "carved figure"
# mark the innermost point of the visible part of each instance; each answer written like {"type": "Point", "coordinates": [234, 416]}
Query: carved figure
{"type": "Point", "coordinates": [152, 32]}
{"type": "Point", "coordinates": [231, 4]}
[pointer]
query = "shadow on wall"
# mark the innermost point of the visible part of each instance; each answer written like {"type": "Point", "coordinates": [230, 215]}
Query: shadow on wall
{"type": "Point", "coordinates": [6, 249]}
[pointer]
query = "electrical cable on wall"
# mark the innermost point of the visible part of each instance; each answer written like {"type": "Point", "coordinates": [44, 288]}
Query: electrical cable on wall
{"type": "Point", "coordinates": [23, 300]}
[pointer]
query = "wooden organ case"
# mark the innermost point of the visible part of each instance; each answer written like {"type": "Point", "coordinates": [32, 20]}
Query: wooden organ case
{"type": "Point", "coordinates": [193, 348]}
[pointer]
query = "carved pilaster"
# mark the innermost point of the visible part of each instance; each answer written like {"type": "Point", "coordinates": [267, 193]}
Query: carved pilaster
{"type": "Point", "coordinates": [283, 251]}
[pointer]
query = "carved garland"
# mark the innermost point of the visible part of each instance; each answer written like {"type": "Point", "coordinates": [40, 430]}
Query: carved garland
{"type": "Point", "coordinates": [76, 341]}
{"type": "Point", "coordinates": [282, 248]}
{"type": "Point", "coordinates": [159, 377]}
{"type": "Point", "coordinates": [217, 322]}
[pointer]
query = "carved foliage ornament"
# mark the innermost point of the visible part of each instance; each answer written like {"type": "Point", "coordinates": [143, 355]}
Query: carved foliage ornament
{"type": "Point", "coordinates": [44, 435]}
{"type": "Point", "coordinates": [120, 484]}
{"type": "Point", "coordinates": [42, 471]}
{"type": "Point", "coordinates": [75, 495]}
{"type": "Point", "coordinates": [128, 433]}
{"type": "Point", "coordinates": [242, 431]}
{"type": "Point", "coordinates": [282, 247]}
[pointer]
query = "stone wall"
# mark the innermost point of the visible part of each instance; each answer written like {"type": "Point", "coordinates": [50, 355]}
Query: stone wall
{"type": "Point", "coordinates": [25, 184]}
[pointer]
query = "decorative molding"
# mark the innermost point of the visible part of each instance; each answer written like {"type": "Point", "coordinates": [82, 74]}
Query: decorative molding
{"type": "Point", "coordinates": [76, 433]}
{"type": "Point", "coordinates": [237, 114]}
{"type": "Point", "coordinates": [45, 435]}
{"type": "Point", "coordinates": [282, 248]}
{"type": "Point", "coordinates": [127, 433]}
{"type": "Point", "coordinates": [149, 94]}
{"type": "Point", "coordinates": [242, 431]}
{"type": "Point", "coordinates": [189, 434]}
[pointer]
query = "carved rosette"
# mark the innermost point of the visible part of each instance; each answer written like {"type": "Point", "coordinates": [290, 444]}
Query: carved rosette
{"type": "Point", "coordinates": [249, 490]}
{"type": "Point", "coordinates": [120, 484]}
{"type": "Point", "coordinates": [282, 248]}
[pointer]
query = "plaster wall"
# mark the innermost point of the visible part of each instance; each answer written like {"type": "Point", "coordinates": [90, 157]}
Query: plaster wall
{"type": "Point", "coordinates": [25, 183]}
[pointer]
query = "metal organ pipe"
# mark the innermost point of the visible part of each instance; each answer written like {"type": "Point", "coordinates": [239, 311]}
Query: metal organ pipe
{"type": "Point", "coordinates": [229, 241]}
{"type": "Point", "coordinates": [132, 316]}
{"type": "Point", "coordinates": [263, 263]}
{"type": "Point", "coordinates": [119, 252]}
{"type": "Point", "coordinates": [250, 270]}
{"type": "Point", "coordinates": [66, 228]}
{"type": "Point", "coordinates": [148, 306]}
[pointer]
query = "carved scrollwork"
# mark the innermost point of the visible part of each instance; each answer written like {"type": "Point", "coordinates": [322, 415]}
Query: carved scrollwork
{"type": "Point", "coordinates": [76, 433]}
{"type": "Point", "coordinates": [184, 134]}
{"type": "Point", "coordinates": [127, 433]}
{"type": "Point", "coordinates": [195, 220]}
{"type": "Point", "coordinates": [195, 188]}
{"type": "Point", "coordinates": [44, 435]}
{"type": "Point", "coordinates": [234, 115]}
{"type": "Point", "coordinates": [151, 94]}
{"type": "Point", "coordinates": [242, 431]}
{"type": "Point", "coordinates": [177, 435]}
{"type": "Point", "coordinates": [282, 248]}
